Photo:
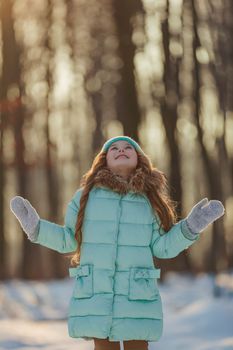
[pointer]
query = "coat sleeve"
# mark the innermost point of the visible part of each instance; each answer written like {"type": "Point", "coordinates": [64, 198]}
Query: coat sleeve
{"type": "Point", "coordinates": [166, 245]}
{"type": "Point", "coordinates": [57, 237]}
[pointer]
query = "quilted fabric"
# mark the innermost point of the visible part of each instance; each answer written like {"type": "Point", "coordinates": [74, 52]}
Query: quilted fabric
{"type": "Point", "coordinates": [115, 292]}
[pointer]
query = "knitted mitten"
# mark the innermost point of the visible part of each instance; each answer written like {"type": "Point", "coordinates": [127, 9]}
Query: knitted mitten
{"type": "Point", "coordinates": [27, 216]}
{"type": "Point", "coordinates": [203, 214]}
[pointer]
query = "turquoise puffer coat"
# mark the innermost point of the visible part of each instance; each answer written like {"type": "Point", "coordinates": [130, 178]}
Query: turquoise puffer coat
{"type": "Point", "coordinates": [115, 292]}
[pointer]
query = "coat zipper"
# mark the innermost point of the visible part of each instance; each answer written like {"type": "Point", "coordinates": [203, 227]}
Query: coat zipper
{"type": "Point", "coordinates": [116, 242]}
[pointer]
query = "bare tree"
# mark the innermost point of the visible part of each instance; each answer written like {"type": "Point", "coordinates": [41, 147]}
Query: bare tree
{"type": "Point", "coordinates": [12, 78]}
{"type": "Point", "coordinates": [127, 106]}
{"type": "Point", "coordinates": [218, 249]}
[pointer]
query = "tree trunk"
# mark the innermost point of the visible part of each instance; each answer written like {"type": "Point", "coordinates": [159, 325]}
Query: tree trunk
{"type": "Point", "coordinates": [127, 107]}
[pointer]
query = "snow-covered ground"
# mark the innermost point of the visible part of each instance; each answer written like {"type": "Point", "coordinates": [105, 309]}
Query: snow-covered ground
{"type": "Point", "coordinates": [33, 314]}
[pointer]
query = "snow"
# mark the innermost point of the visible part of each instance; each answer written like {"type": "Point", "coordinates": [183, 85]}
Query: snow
{"type": "Point", "coordinates": [33, 314]}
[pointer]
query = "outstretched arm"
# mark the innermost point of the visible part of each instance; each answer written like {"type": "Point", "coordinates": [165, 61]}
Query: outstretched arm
{"type": "Point", "coordinates": [44, 232]}
{"type": "Point", "coordinates": [169, 244]}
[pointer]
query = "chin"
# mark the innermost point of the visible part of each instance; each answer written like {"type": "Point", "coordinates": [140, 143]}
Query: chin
{"type": "Point", "coordinates": [124, 167]}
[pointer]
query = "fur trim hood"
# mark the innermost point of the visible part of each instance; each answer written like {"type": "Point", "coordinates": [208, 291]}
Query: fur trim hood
{"type": "Point", "coordinates": [137, 181]}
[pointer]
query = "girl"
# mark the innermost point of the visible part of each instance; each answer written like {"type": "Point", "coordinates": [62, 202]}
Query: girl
{"type": "Point", "coordinates": [119, 218]}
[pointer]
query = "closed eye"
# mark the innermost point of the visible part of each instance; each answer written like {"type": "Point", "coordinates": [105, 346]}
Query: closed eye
{"type": "Point", "coordinates": [114, 147]}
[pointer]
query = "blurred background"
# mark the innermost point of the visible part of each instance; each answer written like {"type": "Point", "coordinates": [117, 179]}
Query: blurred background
{"type": "Point", "coordinates": [74, 73]}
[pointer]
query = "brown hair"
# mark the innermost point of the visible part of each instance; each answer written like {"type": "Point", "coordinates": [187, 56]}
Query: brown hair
{"type": "Point", "coordinates": [156, 191]}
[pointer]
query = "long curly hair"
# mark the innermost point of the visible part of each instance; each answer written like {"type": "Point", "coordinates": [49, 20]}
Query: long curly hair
{"type": "Point", "coordinates": [156, 191]}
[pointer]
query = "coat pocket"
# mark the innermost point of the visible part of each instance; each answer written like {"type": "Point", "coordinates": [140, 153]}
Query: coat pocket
{"type": "Point", "coordinates": [83, 287]}
{"type": "Point", "coordinates": [143, 283]}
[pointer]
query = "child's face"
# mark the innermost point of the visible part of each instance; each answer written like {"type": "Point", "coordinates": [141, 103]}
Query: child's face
{"type": "Point", "coordinates": [121, 156]}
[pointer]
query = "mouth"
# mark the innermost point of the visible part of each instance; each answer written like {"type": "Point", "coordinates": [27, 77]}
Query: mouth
{"type": "Point", "coordinates": [121, 155]}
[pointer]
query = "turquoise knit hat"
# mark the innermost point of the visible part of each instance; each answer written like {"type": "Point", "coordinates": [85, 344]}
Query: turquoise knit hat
{"type": "Point", "coordinates": [108, 143]}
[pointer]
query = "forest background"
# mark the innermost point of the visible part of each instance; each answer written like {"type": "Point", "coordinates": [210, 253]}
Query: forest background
{"type": "Point", "coordinates": [74, 73]}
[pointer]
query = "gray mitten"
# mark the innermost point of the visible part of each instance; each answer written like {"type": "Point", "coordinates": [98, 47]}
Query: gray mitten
{"type": "Point", "coordinates": [27, 216]}
{"type": "Point", "coordinates": [203, 214]}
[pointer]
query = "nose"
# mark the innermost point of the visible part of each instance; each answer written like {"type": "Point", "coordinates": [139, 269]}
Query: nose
{"type": "Point", "coordinates": [121, 152]}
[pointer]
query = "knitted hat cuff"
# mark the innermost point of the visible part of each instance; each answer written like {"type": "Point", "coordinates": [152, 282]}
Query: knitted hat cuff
{"type": "Point", "coordinates": [128, 139]}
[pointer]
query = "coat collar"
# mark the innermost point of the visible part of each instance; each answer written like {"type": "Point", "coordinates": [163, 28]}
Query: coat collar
{"type": "Point", "coordinates": [135, 183]}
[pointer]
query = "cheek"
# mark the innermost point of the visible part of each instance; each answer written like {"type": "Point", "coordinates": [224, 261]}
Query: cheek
{"type": "Point", "coordinates": [135, 157]}
{"type": "Point", "coordinates": [109, 158]}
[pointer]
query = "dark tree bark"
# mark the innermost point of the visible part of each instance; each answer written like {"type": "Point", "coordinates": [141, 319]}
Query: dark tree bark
{"type": "Point", "coordinates": [3, 114]}
{"type": "Point", "coordinates": [168, 105]}
{"type": "Point", "coordinates": [12, 72]}
{"type": "Point", "coordinates": [217, 256]}
{"type": "Point", "coordinates": [127, 108]}
{"type": "Point", "coordinates": [221, 24]}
